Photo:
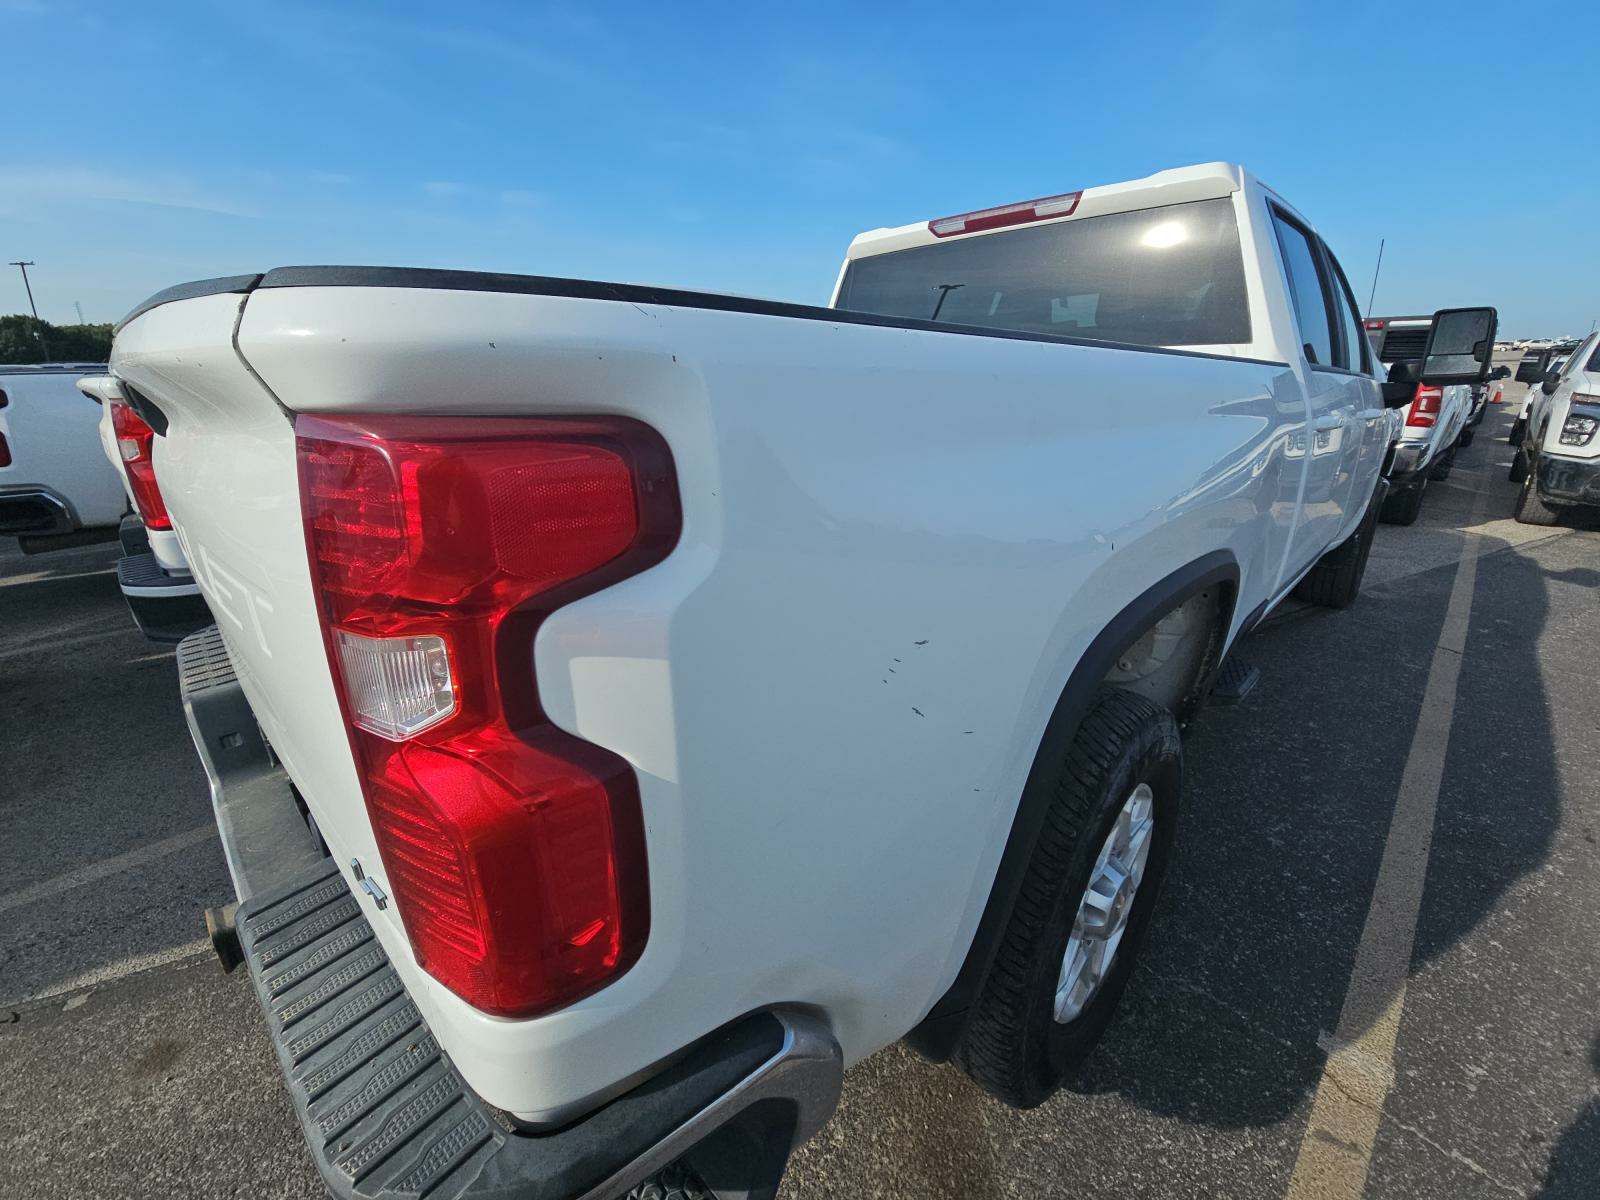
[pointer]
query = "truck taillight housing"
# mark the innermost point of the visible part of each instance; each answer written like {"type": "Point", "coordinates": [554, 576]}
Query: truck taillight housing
{"type": "Point", "coordinates": [135, 439]}
{"type": "Point", "coordinates": [514, 850]}
{"type": "Point", "coordinates": [1425, 405]}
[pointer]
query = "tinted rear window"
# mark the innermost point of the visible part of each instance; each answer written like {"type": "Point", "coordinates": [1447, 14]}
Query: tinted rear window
{"type": "Point", "coordinates": [1168, 276]}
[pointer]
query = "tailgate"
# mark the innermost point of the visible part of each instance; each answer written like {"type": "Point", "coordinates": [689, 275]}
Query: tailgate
{"type": "Point", "coordinates": [226, 466]}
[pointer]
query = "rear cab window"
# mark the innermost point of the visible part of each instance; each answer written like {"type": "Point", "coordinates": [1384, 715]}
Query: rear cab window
{"type": "Point", "coordinates": [1170, 277]}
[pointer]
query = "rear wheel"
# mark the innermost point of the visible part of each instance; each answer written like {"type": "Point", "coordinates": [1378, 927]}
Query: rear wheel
{"type": "Point", "coordinates": [1084, 904]}
{"type": "Point", "coordinates": [1335, 581]}
{"type": "Point", "coordinates": [1518, 427]}
{"type": "Point", "coordinates": [1519, 467]}
{"type": "Point", "coordinates": [1440, 471]}
{"type": "Point", "coordinates": [1531, 510]}
{"type": "Point", "coordinates": [1404, 504]}
{"type": "Point", "coordinates": [1467, 435]}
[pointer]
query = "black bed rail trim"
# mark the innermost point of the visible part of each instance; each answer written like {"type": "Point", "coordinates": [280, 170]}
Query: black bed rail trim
{"type": "Point", "coordinates": [624, 293]}
{"type": "Point", "coordinates": [191, 291]}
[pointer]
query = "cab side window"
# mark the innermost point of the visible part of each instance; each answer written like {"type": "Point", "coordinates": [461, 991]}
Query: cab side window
{"type": "Point", "coordinates": [1307, 292]}
{"type": "Point", "coordinates": [1354, 350]}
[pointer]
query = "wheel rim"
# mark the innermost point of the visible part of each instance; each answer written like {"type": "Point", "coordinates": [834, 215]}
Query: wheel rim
{"type": "Point", "coordinates": [1104, 908]}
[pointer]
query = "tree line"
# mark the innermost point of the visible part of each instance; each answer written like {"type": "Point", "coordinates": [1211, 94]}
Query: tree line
{"type": "Point", "coordinates": [26, 340]}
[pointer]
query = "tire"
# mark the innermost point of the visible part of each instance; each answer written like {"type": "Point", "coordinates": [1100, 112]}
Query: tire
{"type": "Point", "coordinates": [1404, 504]}
{"type": "Point", "coordinates": [1531, 510]}
{"type": "Point", "coordinates": [1519, 467]}
{"type": "Point", "coordinates": [1518, 428]}
{"type": "Point", "coordinates": [1014, 1046]}
{"type": "Point", "coordinates": [1440, 471]}
{"type": "Point", "coordinates": [675, 1182]}
{"type": "Point", "coordinates": [1335, 581]}
{"type": "Point", "coordinates": [1467, 435]}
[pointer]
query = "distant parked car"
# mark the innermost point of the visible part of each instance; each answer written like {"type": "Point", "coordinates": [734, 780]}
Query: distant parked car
{"type": "Point", "coordinates": [1432, 423]}
{"type": "Point", "coordinates": [55, 488]}
{"type": "Point", "coordinates": [1558, 462]}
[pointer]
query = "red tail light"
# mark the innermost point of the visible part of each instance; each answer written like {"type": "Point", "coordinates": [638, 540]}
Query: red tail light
{"type": "Point", "coordinates": [514, 850]}
{"type": "Point", "coordinates": [134, 439]}
{"type": "Point", "coordinates": [5, 452]}
{"type": "Point", "coordinates": [1425, 406]}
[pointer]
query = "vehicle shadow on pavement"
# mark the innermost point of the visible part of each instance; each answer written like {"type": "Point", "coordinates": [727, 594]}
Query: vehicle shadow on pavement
{"type": "Point", "coordinates": [1575, 1159]}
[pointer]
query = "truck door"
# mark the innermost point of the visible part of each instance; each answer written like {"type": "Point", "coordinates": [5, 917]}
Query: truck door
{"type": "Point", "coordinates": [1332, 393]}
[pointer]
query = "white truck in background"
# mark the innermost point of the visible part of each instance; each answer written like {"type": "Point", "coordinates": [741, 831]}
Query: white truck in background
{"type": "Point", "coordinates": [152, 574]}
{"type": "Point", "coordinates": [1432, 425]}
{"type": "Point", "coordinates": [56, 489]}
{"type": "Point", "coordinates": [627, 706]}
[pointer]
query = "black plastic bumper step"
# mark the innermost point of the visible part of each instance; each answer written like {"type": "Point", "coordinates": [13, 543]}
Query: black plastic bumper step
{"type": "Point", "coordinates": [166, 608]}
{"type": "Point", "coordinates": [1235, 681]}
{"type": "Point", "coordinates": [383, 1109]}
{"type": "Point", "coordinates": [144, 571]}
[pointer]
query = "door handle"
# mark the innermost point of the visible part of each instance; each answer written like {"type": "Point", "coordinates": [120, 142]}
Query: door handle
{"type": "Point", "coordinates": [1331, 421]}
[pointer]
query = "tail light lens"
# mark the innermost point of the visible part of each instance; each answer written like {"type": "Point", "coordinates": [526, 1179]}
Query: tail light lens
{"type": "Point", "coordinates": [1425, 407]}
{"type": "Point", "coordinates": [514, 850]}
{"type": "Point", "coordinates": [134, 440]}
{"type": "Point", "coordinates": [5, 451]}
{"type": "Point", "coordinates": [1006, 215]}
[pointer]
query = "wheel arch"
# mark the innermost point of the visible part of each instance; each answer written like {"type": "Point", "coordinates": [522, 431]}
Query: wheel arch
{"type": "Point", "coordinates": [936, 1036]}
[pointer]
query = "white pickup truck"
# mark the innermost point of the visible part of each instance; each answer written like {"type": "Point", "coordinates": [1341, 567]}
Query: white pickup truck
{"type": "Point", "coordinates": [628, 707]}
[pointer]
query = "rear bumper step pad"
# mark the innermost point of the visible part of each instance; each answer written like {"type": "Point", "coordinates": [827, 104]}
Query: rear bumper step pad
{"type": "Point", "coordinates": [382, 1108]}
{"type": "Point", "coordinates": [166, 608]}
{"type": "Point", "coordinates": [385, 1113]}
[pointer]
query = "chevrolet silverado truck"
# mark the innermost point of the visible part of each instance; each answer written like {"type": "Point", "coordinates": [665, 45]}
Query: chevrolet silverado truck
{"type": "Point", "coordinates": [628, 707]}
{"type": "Point", "coordinates": [55, 488]}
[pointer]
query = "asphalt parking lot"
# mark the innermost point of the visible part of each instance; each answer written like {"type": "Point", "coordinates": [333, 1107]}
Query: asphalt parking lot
{"type": "Point", "coordinates": [1374, 965]}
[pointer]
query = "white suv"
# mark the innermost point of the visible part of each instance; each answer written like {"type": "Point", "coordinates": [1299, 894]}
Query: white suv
{"type": "Point", "coordinates": [1558, 462]}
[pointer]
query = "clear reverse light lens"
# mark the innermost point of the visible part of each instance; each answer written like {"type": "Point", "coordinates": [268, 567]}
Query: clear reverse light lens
{"type": "Point", "coordinates": [397, 686]}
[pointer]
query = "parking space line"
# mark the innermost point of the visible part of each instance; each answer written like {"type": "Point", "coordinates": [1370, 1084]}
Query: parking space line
{"type": "Point", "coordinates": [107, 866]}
{"type": "Point", "coordinates": [1336, 1148]}
{"type": "Point", "coordinates": [99, 977]}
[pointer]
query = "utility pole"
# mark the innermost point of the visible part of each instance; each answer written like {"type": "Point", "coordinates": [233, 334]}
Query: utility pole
{"type": "Point", "coordinates": [1372, 295]}
{"type": "Point", "coordinates": [37, 332]}
{"type": "Point", "coordinates": [79, 307]}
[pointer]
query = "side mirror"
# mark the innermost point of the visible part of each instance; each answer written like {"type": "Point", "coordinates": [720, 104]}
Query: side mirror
{"type": "Point", "coordinates": [1402, 384]}
{"type": "Point", "coordinates": [1529, 371]}
{"type": "Point", "coordinates": [1500, 373]}
{"type": "Point", "coordinates": [1460, 346]}
{"type": "Point", "coordinates": [1552, 380]}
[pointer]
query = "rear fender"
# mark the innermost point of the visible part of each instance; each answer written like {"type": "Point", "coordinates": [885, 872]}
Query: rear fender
{"type": "Point", "coordinates": [939, 1032]}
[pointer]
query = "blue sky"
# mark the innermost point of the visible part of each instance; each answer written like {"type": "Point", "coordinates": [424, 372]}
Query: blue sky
{"type": "Point", "coordinates": [738, 147]}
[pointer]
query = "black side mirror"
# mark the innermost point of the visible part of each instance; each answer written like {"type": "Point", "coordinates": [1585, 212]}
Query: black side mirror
{"type": "Point", "coordinates": [1460, 346]}
{"type": "Point", "coordinates": [1552, 380]}
{"type": "Point", "coordinates": [1402, 384]}
{"type": "Point", "coordinates": [1530, 371]}
{"type": "Point", "coordinates": [1500, 373]}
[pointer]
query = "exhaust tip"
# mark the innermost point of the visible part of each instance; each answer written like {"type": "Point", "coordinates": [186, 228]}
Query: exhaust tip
{"type": "Point", "coordinates": [224, 934]}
